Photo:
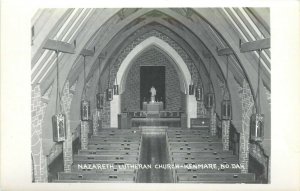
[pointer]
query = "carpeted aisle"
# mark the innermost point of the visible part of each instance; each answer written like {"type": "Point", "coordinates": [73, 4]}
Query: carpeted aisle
{"type": "Point", "coordinates": [154, 151]}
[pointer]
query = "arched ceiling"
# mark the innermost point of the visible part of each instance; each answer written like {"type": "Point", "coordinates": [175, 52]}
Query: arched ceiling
{"type": "Point", "coordinates": [198, 30]}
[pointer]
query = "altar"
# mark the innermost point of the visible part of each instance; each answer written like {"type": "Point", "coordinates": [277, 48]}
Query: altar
{"type": "Point", "coordinates": [153, 107]}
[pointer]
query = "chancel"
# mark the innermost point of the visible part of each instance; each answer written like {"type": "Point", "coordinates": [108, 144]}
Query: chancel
{"type": "Point", "coordinates": [151, 95]}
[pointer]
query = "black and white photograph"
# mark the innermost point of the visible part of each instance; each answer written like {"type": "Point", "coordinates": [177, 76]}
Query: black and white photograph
{"type": "Point", "coordinates": [141, 95]}
{"type": "Point", "coordinates": [149, 95]}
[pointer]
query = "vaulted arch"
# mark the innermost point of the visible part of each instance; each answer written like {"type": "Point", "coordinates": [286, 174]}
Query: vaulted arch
{"type": "Point", "coordinates": [115, 104]}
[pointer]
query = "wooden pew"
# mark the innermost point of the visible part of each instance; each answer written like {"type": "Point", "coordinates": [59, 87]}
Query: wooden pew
{"type": "Point", "coordinates": [123, 130]}
{"type": "Point", "coordinates": [183, 131]}
{"type": "Point", "coordinates": [116, 169]}
{"type": "Point", "coordinates": [197, 145]}
{"type": "Point", "coordinates": [195, 135]}
{"type": "Point", "coordinates": [212, 159]}
{"type": "Point", "coordinates": [89, 158]}
{"type": "Point", "coordinates": [195, 149]}
{"type": "Point", "coordinates": [108, 152]}
{"type": "Point", "coordinates": [170, 134]}
{"type": "Point", "coordinates": [105, 162]}
{"type": "Point", "coordinates": [99, 177]}
{"type": "Point", "coordinates": [193, 171]}
{"type": "Point", "coordinates": [194, 139]}
{"type": "Point", "coordinates": [112, 135]}
{"type": "Point", "coordinates": [115, 144]}
{"type": "Point", "coordinates": [207, 162]}
{"type": "Point", "coordinates": [215, 178]}
{"type": "Point", "coordinates": [203, 154]}
{"type": "Point", "coordinates": [115, 139]}
{"type": "Point", "coordinates": [116, 132]}
{"type": "Point", "coordinates": [116, 148]}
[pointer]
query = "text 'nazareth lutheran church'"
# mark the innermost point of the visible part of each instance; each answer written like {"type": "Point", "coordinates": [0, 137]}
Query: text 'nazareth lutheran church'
{"type": "Point", "coordinates": [171, 95]}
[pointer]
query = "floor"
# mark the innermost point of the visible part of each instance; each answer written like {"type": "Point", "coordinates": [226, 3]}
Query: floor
{"type": "Point", "coordinates": [154, 151]}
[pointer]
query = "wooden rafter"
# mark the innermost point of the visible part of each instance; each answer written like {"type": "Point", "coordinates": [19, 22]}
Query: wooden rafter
{"type": "Point", "coordinates": [224, 51]}
{"type": "Point", "coordinates": [254, 45]}
{"type": "Point", "coordinates": [243, 31]}
{"type": "Point", "coordinates": [250, 27]}
{"type": "Point", "coordinates": [86, 52]}
{"type": "Point", "coordinates": [60, 46]}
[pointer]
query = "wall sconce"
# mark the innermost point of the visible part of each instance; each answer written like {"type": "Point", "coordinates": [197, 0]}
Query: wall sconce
{"type": "Point", "coordinates": [226, 110]}
{"type": "Point", "coordinates": [200, 94]}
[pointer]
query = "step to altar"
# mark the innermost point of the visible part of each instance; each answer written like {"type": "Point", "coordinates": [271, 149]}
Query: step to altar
{"type": "Point", "coordinates": [154, 129]}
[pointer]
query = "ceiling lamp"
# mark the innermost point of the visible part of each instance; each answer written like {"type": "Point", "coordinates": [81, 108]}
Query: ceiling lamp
{"type": "Point", "coordinates": [210, 96]}
{"type": "Point", "coordinates": [99, 95]}
{"type": "Point", "coordinates": [59, 119]}
{"type": "Point", "coordinates": [226, 103]}
{"type": "Point", "coordinates": [257, 119]}
{"type": "Point", "coordinates": [109, 91]}
{"type": "Point", "coordinates": [85, 108]}
{"type": "Point", "coordinates": [199, 93]}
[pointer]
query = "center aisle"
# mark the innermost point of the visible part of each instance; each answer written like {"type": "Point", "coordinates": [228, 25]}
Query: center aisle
{"type": "Point", "coordinates": [154, 151]}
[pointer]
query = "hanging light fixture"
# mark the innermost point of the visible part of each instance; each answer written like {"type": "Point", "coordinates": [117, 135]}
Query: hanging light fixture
{"type": "Point", "coordinates": [226, 103]}
{"type": "Point", "coordinates": [257, 119]}
{"type": "Point", "coordinates": [59, 119]}
{"type": "Point", "coordinates": [116, 87]}
{"type": "Point", "coordinates": [85, 109]}
{"type": "Point", "coordinates": [191, 86]}
{"type": "Point", "coordinates": [109, 91]}
{"type": "Point", "coordinates": [99, 96]}
{"type": "Point", "coordinates": [210, 96]}
{"type": "Point", "coordinates": [209, 100]}
{"type": "Point", "coordinates": [199, 93]}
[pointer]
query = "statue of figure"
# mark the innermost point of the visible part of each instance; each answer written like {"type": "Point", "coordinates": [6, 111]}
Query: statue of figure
{"type": "Point", "coordinates": [153, 94]}
{"type": "Point", "coordinates": [153, 91]}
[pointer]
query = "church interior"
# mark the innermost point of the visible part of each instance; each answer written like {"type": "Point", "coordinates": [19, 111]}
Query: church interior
{"type": "Point", "coordinates": [151, 95]}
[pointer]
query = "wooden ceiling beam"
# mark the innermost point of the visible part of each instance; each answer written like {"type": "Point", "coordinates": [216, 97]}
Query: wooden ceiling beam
{"type": "Point", "coordinates": [60, 46]}
{"type": "Point", "coordinates": [224, 51]}
{"type": "Point", "coordinates": [254, 45]}
{"type": "Point", "coordinates": [249, 26]}
{"type": "Point", "coordinates": [86, 52]}
{"type": "Point", "coordinates": [245, 33]}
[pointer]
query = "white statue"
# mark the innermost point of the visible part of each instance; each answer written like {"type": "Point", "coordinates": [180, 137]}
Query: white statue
{"type": "Point", "coordinates": [153, 94]}
{"type": "Point", "coordinates": [153, 91]}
